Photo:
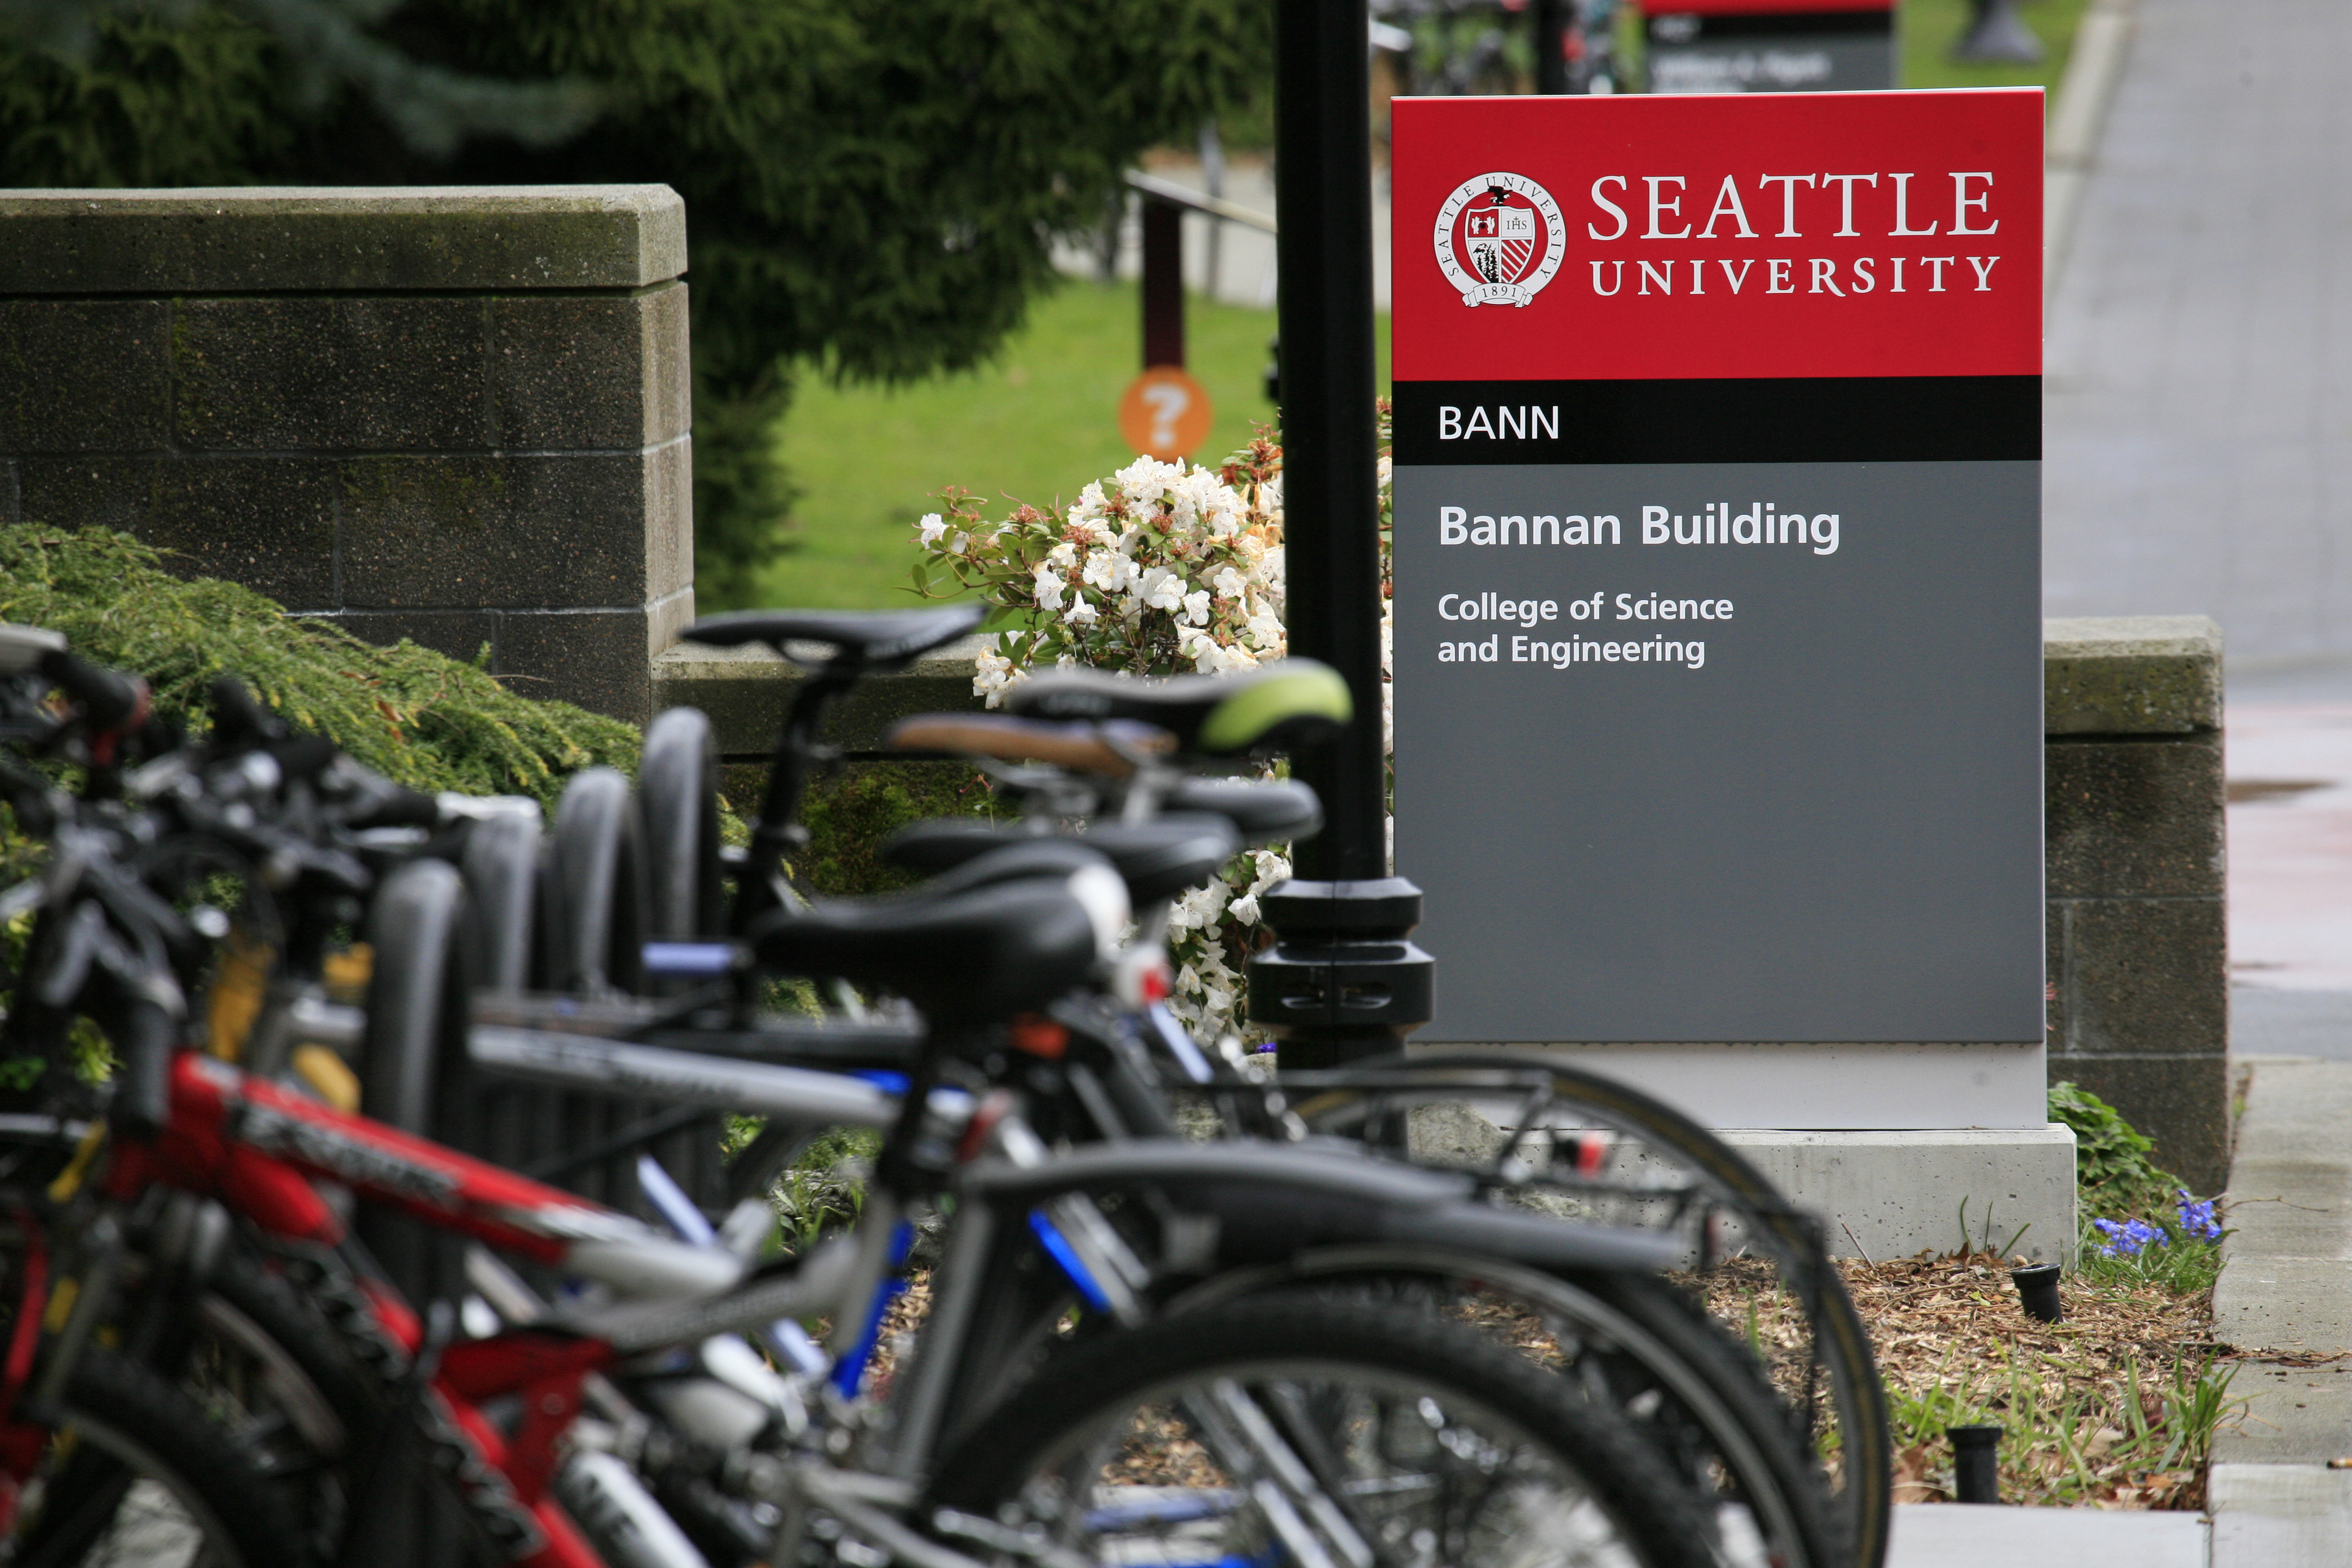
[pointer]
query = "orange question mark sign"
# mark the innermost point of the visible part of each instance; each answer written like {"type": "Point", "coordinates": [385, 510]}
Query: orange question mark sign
{"type": "Point", "coordinates": [1165, 412]}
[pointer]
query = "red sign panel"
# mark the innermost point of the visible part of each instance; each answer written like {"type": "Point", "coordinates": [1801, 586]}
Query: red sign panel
{"type": "Point", "coordinates": [1752, 235]}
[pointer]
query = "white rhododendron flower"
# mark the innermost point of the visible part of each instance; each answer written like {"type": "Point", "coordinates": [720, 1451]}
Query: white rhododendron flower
{"type": "Point", "coordinates": [1164, 568]}
{"type": "Point", "coordinates": [1109, 570]}
{"type": "Point", "coordinates": [1160, 588]}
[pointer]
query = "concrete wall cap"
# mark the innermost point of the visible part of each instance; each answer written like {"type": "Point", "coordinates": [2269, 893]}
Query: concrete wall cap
{"type": "Point", "coordinates": [2126, 675]}
{"type": "Point", "coordinates": [756, 661]}
{"type": "Point", "coordinates": [246, 239]}
{"type": "Point", "coordinates": [744, 691]}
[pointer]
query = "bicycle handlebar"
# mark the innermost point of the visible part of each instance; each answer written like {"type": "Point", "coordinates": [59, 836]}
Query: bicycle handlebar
{"type": "Point", "coordinates": [108, 700]}
{"type": "Point", "coordinates": [399, 807]}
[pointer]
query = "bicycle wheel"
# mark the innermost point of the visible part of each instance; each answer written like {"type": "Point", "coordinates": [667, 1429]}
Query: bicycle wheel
{"type": "Point", "coordinates": [1654, 1165]}
{"type": "Point", "coordinates": [135, 1474]}
{"type": "Point", "coordinates": [1323, 1431]}
{"type": "Point", "coordinates": [247, 1357]}
{"type": "Point", "coordinates": [1694, 1395]}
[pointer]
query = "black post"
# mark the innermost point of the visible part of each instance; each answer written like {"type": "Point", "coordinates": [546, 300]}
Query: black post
{"type": "Point", "coordinates": [1997, 36]}
{"type": "Point", "coordinates": [1163, 284]}
{"type": "Point", "coordinates": [1341, 983]}
{"type": "Point", "coordinates": [1330, 485]}
{"type": "Point", "coordinates": [1976, 1463]}
{"type": "Point", "coordinates": [1551, 56]}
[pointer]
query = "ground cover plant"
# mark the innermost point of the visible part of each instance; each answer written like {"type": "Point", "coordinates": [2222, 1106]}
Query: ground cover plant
{"type": "Point", "coordinates": [427, 721]}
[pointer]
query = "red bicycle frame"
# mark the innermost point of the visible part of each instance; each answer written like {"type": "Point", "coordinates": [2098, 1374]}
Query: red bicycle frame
{"type": "Point", "coordinates": [255, 1148]}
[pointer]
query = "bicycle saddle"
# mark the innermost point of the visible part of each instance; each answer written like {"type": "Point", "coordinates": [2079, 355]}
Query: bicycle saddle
{"type": "Point", "coordinates": [974, 955]}
{"type": "Point", "coordinates": [1104, 749]}
{"type": "Point", "coordinates": [875, 639]}
{"type": "Point", "coordinates": [1280, 704]}
{"type": "Point", "coordinates": [1264, 811]}
{"type": "Point", "coordinates": [1157, 859]}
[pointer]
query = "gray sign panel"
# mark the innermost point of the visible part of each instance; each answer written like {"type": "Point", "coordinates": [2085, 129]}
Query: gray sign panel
{"type": "Point", "coordinates": [1756, 758]}
{"type": "Point", "coordinates": [1829, 62]}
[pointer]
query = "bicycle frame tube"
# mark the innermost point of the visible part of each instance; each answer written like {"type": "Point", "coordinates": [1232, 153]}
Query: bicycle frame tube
{"type": "Point", "coordinates": [255, 1146]}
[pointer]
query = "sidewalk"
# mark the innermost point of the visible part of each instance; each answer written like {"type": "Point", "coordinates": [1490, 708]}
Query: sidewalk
{"type": "Point", "coordinates": [2286, 1293]}
{"type": "Point", "coordinates": [2196, 409]}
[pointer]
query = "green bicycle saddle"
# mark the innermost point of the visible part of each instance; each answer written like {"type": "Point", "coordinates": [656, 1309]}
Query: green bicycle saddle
{"type": "Point", "coordinates": [1268, 708]}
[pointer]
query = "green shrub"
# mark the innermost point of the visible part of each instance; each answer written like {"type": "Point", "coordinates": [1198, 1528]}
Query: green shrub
{"type": "Point", "coordinates": [2112, 1168]}
{"type": "Point", "coordinates": [850, 814]}
{"type": "Point", "coordinates": [430, 721]}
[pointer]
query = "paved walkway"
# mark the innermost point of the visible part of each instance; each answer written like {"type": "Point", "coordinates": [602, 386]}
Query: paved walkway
{"type": "Point", "coordinates": [2200, 352]}
{"type": "Point", "coordinates": [2286, 1295]}
{"type": "Point", "coordinates": [2290, 769]}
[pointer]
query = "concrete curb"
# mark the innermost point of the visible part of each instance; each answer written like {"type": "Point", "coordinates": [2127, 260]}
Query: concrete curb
{"type": "Point", "coordinates": [2084, 93]}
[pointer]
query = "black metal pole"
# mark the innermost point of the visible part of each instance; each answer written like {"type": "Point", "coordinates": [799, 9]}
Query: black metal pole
{"type": "Point", "coordinates": [1330, 485]}
{"type": "Point", "coordinates": [1341, 983]}
{"type": "Point", "coordinates": [1163, 284]}
{"type": "Point", "coordinates": [1551, 57]}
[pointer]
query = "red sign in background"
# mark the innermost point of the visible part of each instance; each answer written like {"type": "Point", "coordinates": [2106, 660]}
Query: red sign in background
{"type": "Point", "coordinates": [1806, 266]}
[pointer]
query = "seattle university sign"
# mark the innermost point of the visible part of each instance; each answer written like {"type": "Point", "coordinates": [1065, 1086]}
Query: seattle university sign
{"type": "Point", "coordinates": [1717, 563]}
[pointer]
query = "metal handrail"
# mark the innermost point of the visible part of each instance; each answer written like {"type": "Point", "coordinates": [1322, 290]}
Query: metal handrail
{"type": "Point", "coordinates": [1169, 190]}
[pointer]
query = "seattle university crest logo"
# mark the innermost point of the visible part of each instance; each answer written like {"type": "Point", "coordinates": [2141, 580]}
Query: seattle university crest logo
{"type": "Point", "coordinates": [1500, 239]}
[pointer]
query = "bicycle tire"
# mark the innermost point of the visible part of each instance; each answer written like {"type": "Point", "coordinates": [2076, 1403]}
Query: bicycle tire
{"type": "Point", "coordinates": [1482, 1397]}
{"type": "Point", "coordinates": [677, 801]}
{"type": "Point", "coordinates": [1689, 1390]}
{"type": "Point", "coordinates": [592, 911]}
{"type": "Point", "coordinates": [421, 929]}
{"type": "Point", "coordinates": [502, 863]}
{"type": "Point", "coordinates": [1863, 1493]}
{"type": "Point", "coordinates": [146, 1479]}
{"type": "Point", "coordinates": [677, 824]}
{"type": "Point", "coordinates": [263, 1367]}
{"type": "Point", "coordinates": [501, 866]}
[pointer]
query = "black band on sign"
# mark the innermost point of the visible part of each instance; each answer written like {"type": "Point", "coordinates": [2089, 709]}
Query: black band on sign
{"type": "Point", "coordinates": [1683, 29]}
{"type": "Point", "coordinates": [1829, 419]}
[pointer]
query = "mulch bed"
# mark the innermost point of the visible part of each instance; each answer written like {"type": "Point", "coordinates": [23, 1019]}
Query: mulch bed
{"type": "Point", "coordinates": [1953, 1344]}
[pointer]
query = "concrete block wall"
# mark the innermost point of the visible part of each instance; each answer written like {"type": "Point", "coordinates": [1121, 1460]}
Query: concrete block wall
{"type": "Point", "coordinates": [455, 415]}
{"type": "Point", "coordinates": [2135, 879]}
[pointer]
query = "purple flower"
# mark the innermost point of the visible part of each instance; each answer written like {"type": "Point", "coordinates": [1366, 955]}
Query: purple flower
{"type": "Point", "coordinates": [2128, 1238]}
{"type": "Point", "coordinates": [2198, 1218]}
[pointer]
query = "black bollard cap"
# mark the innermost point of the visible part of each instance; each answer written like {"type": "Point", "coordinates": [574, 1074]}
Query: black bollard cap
{"type": "Point", "coordinates": [1976, 1462]}
{"type": "Point", "coordinates": [2037, 1290]}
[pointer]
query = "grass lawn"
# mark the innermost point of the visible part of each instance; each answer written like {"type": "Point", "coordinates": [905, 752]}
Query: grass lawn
{"type": "Point", "coordinates": [1036, 426]}
{"type": "Point", "coordinates": [1930, 28]}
